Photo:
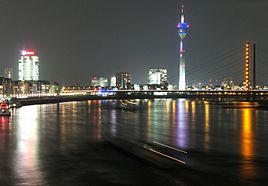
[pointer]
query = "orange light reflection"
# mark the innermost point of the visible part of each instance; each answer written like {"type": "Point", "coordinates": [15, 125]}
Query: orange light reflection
{"type": "Point", "coordinates": [207, 114]}
{"type": "Point", "coordinates": [149, 127]}
{"type": "Point", "coordinates": [167, 113]}
{"type": "Point", "coordinates": [247, 145]}
{"type": "Point", "coordinates": [193, 104]}
{"type": "Point", "coordinates": [248, 168]}
{"type": "Point", "coordinates": [174, 113]}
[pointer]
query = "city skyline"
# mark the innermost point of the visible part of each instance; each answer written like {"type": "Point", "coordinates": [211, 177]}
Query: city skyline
{"type": "Point", "coordinates": [96, 38]}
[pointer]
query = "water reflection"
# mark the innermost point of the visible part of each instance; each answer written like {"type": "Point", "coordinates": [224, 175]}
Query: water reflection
{"type": "Point", "coordinates": [247, 145]}
{"type": "Point", "coordinates": [27, 166]}
{"type": "Point", "coordinates": [206, 134]}
{"type": "Point", "coordinates": [113, 123]}
{"type": "Point", "coordinates": [182, 124]}
{"type": "Point", "coordinates": [63, 122]}
{"type": "Point", "coordinates": [174, 115]}
{"type": "Point", "coordinates": [59, 130]}
{"type": "Point", "coordinates": [246, 135]}
{"type": "Point", "coordinates": [149, 120]}
{"type": "Point", "coordinates": [97, 118]}
{"type": "Point", "coordinates": [4, 133]}
{"type": "Point", "coordinates": [167, 116]}
{"type": "Point", "coordinates": [4, 122]}
{"type": "Point", "coordinates": [193, 107]}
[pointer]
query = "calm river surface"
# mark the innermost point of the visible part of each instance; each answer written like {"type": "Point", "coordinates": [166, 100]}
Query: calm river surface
{"type": "Point", "coordinates": [69, 143]}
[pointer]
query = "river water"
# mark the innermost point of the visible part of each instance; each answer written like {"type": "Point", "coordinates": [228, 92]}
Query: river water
{"type": "Point", "coordinates": [69, 143]}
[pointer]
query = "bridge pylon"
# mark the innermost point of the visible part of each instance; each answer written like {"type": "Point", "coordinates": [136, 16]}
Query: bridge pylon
{"type": "Point", "coordinates": [247, 66]}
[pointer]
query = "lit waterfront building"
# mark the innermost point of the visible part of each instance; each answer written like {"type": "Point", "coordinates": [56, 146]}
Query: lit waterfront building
{"type": "Point", "coordinates": [157, 76]}
{"type": "Point", "coordinates": [182, 31]}
{"type": "Point", "coordinates": [137, 87]}
{"type": "Point", "coordinates": [113, 81]}
{"type": "Point", "coordinates": [101, 81]}
{"type": "Point", "coordinates": [123, 80]}
{"type": "Point", "coordinates": [28, 66]}
{"type": "Point", "coordinates": [5, 86]}
{"type": "Point", "coordinates": [227, 84]}
{"type": "Point", "coordinates": [9, 73]}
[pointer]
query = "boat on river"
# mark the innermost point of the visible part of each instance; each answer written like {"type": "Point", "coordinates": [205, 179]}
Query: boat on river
{"type": "Point", "coordinates": [15, 104]}
{"type": "Point", "coordinates": [4, 107]}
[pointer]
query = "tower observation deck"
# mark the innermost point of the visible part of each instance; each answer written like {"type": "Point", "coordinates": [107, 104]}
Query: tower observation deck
{"type": "Point", "coordinates": [183, 28]}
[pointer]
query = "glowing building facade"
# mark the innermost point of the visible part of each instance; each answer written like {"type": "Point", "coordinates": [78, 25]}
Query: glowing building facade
{"type": "Point", "coordinates": [113, 81]}
{"type": "Point", "coordinates": [99, 81]}
{"type": "Point", "coordinates": [28, 66]}
{"type": "Point", "coordinates": [182, 31]}
{"type": "Point", "coordinates": [123, 80]}
{"type": "Point", "coordinates": [157, 76]}
{"type": "Point", "coordinates": [9, 73]}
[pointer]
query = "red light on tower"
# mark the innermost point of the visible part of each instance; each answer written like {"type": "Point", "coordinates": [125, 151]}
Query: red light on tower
{"type": "Point", "coordinates": [247, 69]}
{"type": "Point", "coordinates": [27, 53]}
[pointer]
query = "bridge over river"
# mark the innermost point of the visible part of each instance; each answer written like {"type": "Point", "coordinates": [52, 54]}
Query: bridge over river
{"type": "Point", "coordinates": [228, 95]}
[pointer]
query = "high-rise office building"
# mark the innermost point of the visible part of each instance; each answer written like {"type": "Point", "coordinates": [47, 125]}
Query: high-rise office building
{"type": "Point", "coordinates": [123, 80]}
{"type": "Point", "coordinates": [28, 66]}
{"type": "Point", "coordinates": [157, 76]}
{"type": "Point", "coordinates": [9, 73]}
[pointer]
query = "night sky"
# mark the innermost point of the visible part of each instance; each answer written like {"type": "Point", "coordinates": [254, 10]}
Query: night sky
{"type": "Point", "coordinates": [77, 39]}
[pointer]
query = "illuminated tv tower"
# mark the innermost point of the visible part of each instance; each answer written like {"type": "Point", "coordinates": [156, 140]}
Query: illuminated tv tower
{"type": "Point", "coordinates": [182, 31]}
